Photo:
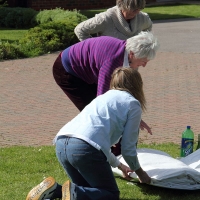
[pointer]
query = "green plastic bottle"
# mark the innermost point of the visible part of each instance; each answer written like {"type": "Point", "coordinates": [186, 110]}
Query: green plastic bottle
{"type": "Point", "coordinates": [187, 142]}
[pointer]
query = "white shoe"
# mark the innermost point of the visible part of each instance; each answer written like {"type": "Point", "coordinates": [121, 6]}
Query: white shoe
{"type": "Point", "coordinates": [66, 190]}
{"type": "Point", "coordinates": [44, 190]}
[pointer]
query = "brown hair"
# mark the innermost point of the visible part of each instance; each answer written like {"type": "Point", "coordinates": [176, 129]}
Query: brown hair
{"type": "Point", "coordinates": [131, 4]}
{"type": "Point", "coordinates": [130, 80]}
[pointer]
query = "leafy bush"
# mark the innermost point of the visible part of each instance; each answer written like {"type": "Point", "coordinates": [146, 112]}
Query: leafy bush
{"type": "Point", "coordinates": [3, 14]}
{"type": "Point", "coordinates": [26, 17]}
{"type": "Point", "coordinates": [49, 37]}
{"type": "Point", "coordinates": [57, 14]}
{"type": "Point", "coordinates": [3, 3]}
{"type": "Point", "coordinates": [9, 51]}
{"type": "Point", "coordinates": [16, 17]}
{"type": "Point", "coordinates": [54, 33]}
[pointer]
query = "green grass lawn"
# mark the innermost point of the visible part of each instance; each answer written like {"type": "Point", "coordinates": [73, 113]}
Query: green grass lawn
{"type": "Point", "coordinates": [173, 12]}
{"type": "Point", "coordinates": [161, 12]}
{"type": "Point", "coordinates": [11, 35]}
{"type": "Point", "coordinates": [22, 168]}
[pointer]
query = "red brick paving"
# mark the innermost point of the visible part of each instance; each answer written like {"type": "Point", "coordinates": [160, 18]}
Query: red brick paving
{"type": "Point", "coordinates": [172, 88]}
{"type": "Point", "coordinates": [33, 108]}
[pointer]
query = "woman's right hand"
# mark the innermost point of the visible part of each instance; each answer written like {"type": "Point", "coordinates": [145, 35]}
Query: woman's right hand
{"type": "Point", "coordinates": [143, 176]}
{"type": "Point", "coordinates": [125, 170]}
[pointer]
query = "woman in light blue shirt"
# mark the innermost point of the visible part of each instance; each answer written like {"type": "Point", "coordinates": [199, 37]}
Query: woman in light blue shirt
{"type": "Point", "coordinates": [83, 144]}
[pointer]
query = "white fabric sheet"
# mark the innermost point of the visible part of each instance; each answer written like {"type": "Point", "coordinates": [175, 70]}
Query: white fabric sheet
{"type": "Point", "coordinates": [165, 171]}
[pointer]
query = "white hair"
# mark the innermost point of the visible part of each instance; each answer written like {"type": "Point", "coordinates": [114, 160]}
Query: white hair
{"type": "Point", "coordinates": [143, 45]}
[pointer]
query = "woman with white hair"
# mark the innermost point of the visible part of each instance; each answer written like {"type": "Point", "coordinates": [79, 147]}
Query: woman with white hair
{"type": "Point", "coordinates": [121, 21]}
{"type": "Point", "coordinates": [83, 70]}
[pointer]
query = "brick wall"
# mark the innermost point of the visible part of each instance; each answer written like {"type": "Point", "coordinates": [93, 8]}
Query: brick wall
{"type": "Point", "coordinates": [70, 4]}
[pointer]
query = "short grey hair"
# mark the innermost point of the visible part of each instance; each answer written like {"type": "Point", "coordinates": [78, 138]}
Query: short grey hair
{"type": "Point", "coordinates": [131, 4]}
{"type": "Point", "coordinates": [143, 45]}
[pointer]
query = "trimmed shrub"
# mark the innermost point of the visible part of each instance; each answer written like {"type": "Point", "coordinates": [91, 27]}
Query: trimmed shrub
{"type": "Point", "coordinates": [16, 17]}
{"type": "Point", "coordinates": [3, 3]}
{"type": "Point", "coordinates": [46, 38]}
{"type": "Point", "coordinates": [55, 32]}
{"type": "Point", "coordinates": [10, 51]}
{"type": "Point", "coordinates": [3, 14]}
{"type": "Point", "coordinates": [58, 14]}
{"type": "Point", "coordinates": [26, 17]}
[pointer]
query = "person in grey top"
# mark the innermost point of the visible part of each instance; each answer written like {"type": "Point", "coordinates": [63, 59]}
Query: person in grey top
{"type": "Point", "coordinates": [83, 144]}
{"type": "Point", "coordinates": [121, 21]}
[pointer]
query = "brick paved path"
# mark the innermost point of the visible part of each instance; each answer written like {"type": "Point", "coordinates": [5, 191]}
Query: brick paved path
{"type": "Point", "coordinates": [33, 108]}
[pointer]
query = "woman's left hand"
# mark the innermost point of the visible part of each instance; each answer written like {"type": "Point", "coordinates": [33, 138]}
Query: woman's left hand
{"type": "Point", "coordinates": [143, 126]}
{"type": "Point", "coordinates": [125, 170]}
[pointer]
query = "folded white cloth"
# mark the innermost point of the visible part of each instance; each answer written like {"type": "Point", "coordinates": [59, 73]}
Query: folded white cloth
{"type": "Point", "coordinates": [168, 172]}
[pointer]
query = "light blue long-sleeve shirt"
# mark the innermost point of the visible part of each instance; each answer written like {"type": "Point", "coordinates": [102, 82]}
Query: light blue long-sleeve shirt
{"type": "Point", "coordinates": [109, 117]}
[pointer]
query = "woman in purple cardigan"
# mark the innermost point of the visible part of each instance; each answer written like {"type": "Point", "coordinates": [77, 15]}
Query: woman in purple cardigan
{"type": "Point", "coordinates": [83, 70]}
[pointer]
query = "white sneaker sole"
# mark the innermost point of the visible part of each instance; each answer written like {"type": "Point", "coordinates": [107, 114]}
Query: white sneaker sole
{"type": "Point", "coordinates": [43, 190]}
{"type": "Point", "coordinates": [66, 191]}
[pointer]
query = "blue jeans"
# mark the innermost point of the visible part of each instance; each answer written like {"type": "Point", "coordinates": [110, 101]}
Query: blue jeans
{"type": "Point", "coordinates": [88, 169]}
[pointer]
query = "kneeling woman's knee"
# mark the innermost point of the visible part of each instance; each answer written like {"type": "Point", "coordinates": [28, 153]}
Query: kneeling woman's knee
{"type": "Point", "coordinates": [116, 195]}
